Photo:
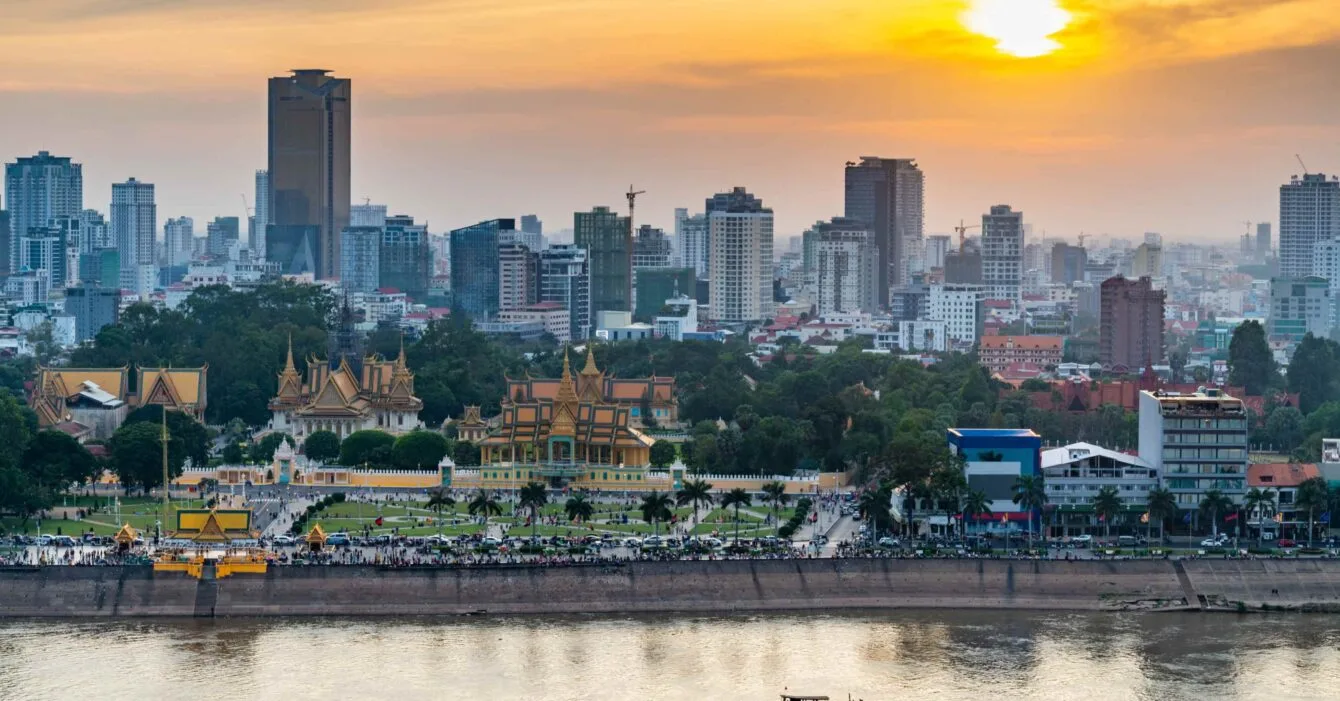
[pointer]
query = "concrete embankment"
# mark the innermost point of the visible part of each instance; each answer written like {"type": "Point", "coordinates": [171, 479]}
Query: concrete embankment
{"type": "Point", "coordinates": [720, 586]}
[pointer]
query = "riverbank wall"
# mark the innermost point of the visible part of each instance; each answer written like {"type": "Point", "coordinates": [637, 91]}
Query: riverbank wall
{"type": "Point", "coordinates": [729, 586]}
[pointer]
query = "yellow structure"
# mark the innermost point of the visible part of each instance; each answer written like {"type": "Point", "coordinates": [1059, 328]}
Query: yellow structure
{"type": "Point", "coordinates": [93, 402]}
{"type": "Point", "coordinates": [578, 437]}
{"type": "Point", "coordinates": [655, 394]}
{"type": "Point", "coordinates": [125, 537]}
{"type": "Point", "coordinates": [348, 393]}
{"type": "Point", "coordinates": [226, 565]}
{"type": "Point", "coordinates": [214, 525]}
{"type": "Point", "coordinates": [176, 389]}
{"type": "Point", "coordinates": [316, 538]}
{"type": "Point", "coordinates": [472, 426]}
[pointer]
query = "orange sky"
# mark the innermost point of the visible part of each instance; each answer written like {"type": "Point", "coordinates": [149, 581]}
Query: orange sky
{"type": "Point", "coordinates": [1178, 116]}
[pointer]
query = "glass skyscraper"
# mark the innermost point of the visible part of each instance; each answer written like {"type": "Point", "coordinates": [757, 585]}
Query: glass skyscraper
{"type": "Point", "coordinates": [474, 267]}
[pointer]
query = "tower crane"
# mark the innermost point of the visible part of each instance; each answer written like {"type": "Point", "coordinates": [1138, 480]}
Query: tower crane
{"type": "Point", "coordinates": [1301, 163]}
{"type": "Point", "coordinates": [1081, 237]}
{"type": "Point", "coordinates": [632, 203]}
{"type": "Point", "coordinates": [962, 230]}
{"type": "Point", "coordinates": [246, 206]}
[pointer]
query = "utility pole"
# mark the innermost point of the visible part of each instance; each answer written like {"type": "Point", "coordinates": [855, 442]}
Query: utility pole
{"type": "Point", "coordinates": [162, 522]}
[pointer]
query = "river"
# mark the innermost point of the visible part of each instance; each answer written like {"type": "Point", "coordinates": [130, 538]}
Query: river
{"type": "Point", "coordinates": [941, 655]}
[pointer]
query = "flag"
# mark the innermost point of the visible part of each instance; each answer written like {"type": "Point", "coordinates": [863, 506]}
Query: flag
{"type": "Point", "coordinates": [1102, 518]}
{"type": "Point", "coordinates": [1004, 518]}
{"type": "Point", "coordinates": [1144, 518]}
{"type": "Point", "coordinates": [378, 521]}
{"type": "Point", "coordinates": [1231, 517]}
{"type": "Point", "coordinates": [1325, 517]}
{"type": "Point", "coordinates": [1280, 517]}
{"type": "Point", "coordinates": [1187, 518]}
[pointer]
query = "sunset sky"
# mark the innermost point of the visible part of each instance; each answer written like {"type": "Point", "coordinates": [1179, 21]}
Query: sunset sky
{"type": "Point", "coordinates": [1177, 116]}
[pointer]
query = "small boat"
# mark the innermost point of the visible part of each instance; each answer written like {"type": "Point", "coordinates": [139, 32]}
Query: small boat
{"type": "Point", "coordinates": [803, 697]}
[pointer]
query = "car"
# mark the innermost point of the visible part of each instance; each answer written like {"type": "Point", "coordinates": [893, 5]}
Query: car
{"type": "Point", "coordinates": [340, 538]}
{"type": "Point", "coordinates": [1287, 543]}
{"type": "Point", "coordinates": [1084, 539]}
{"type": "Point", "coordinates": [284, 540]}
{"type": "Point", "coordinates": [653, 541]}
{"type": "Point", "coordinates": [490, 542]}
{"type": "Point", "coordinates": [632, 543]}
{"type": "Point", "coordinates": [887, 542]}
{"type": "Point", "coordinates": [1218, 542]}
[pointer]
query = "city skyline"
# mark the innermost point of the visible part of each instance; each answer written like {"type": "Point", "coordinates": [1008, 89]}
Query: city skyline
{"type": "Point", "coordinates": [1074, 138]}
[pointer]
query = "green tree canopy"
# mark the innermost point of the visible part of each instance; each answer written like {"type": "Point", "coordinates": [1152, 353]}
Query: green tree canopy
{"type": "Point", "coordinates": [1251, 365]}
{"type": "Point", "coordinates": [137, 456]}
{"type": "Point", "coordinates": [419, 450]}
{"type": "Point", "coordinates": [662, 453]}
{"type": "Point", "coordinates": [322, 446]}
{"type": "Point", "coordinates": [368, 446]}
{"type": "Point", "coordinates": [55, 460]}
{"type": "Point", "coordinates": [264, 450]}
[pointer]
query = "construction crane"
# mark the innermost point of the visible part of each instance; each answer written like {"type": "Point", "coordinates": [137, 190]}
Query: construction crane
{"type": "Point", "coordinates": [962, 230]}
{"type": "Point", "coordinates": [246, 206]}
{"type": "Point", "coordinates": [1301, 163]}
{"type": "Point", "coordinates": [1082, 236]}
{"type": "Point", "coordinates": [632, 203]}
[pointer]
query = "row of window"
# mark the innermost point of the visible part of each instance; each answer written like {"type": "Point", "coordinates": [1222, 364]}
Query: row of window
{"type": "Point", "coordinates": [1230, 424]}
{"type": "Point", "coordinates": [527, 474]}
{"type": "Point", "coordinates": [1204, 453]}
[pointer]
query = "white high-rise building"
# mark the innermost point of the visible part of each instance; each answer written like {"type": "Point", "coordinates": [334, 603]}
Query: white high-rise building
{"type": "Point", "coordinates": [38, 189]}
{"type": "Point", "coordinates": [937, 247]}
{"type": "Point", "coordinates": [261, 216]}
{"type": "Point", "coordinates": [518, 268]}
{"type": "Point", "coordinates": [134, 223]}
{"type": "Point", "coordinates": [565, 278]}
{"type": "Point", "coordinates": [178, 240]}
{"type": "Point", "coordinates": [373, 215]}
{"type": "Point", "coordinates": [846, 267]}
{"type": "Point", "coordinates": [1003, 252]}
{"type": "Point", "coordinates": [960, 307]}
{"type": "Point", "coordinates": [691, 242]}
{"type": "Point", "coordinates": [740, 236]}
{"type": "Point", "coordinates": [1309, 213]}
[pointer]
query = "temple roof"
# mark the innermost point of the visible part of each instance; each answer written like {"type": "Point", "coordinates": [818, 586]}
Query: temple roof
{"type": "Point", "coordinates": [174, 387]}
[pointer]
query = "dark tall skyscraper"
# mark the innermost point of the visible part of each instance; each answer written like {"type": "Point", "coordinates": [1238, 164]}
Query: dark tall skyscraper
{"type": "Point", "coordinates": [474, 267]}
{"type": "Point", "coordinates": [887, 195]}
{"type": "Point", "coordinates": [93, 308]}
{"type": "Point", "coordinates": [1131, 323]}
{"type": "Point", "coordinates": [531, 224]}
{"type": "Point", "coordinates": [309, 170]}
{"type": "Point", "coordinates": [607, 239]}
{"type": "Point", "coordinates": [404, 260]}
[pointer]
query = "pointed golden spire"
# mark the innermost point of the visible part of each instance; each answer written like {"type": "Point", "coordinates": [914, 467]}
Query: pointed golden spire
{"type": "Point", "coordinates": [590, 368]}
{"type": "Point", "coordinates": [400, 360]}
{"type": "Point", "coordinates": [288, 365]}
{"type": "Point", "coordinates": [566, 391]}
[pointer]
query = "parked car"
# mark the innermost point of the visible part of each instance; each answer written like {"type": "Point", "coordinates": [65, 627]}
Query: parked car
{"type": "Point", "coordinates": [340, 538]}
{"type": "Point", "coordinates": [490, 542]}
{"type": "Point", "coordinates": [1287, 543]}
{"type": "Point", "coordinates": [284, 540]}
{"type": "Point", "coordinates": [632, 543]}
{"type": "Point", "coordinates": [653, 541]}
{"type": "Point", "coordinates": [887, 542]}
{"type": "Point", "coordinates": [1217, 542]}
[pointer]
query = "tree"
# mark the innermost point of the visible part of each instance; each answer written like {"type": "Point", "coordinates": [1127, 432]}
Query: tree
{"type": "Point", "coordinates": [1259, 502]}
{"type": "Point", "coordinates": [439, 499]}
{"type": "Point", "coordinates": [694, 492]}
{"type": "Point", "coordinates": [876, 506]}
{"type": "Point", "coordinates": [1161, 504]}
{"type": "Point", "coordinates": [533, 498]}
{"type": "Point", "coordinates": [737, 498]}
{"type": "Point", "coordinates": [465, 454]}
{"type": "Point", "coordinates": [195, 438]}
{"type": "Point", "coordinates": [656, 508]}
{"type": "Point", "coordinates": [1251, 365]}
{"type": "Point", "coordinates": [418, 450]}
{"type": "Point", "coordinates": [1284, 427]}
{"type": "Point", "coordinates": [263, 452]}
{"type": "Point", "coordinates": [322, 446]}
{"type": "Point", "coordinates": [233, 454]}
{"type": "Point", "coordinates": [366, 446]}
{"type": "Point", "coordinates": [774, 493]}
{"type": "Point", "coordinates": [578, 508]}
{"type": "Point", "coordinates": [662, 453]}
{"type": "Point", "coordinates": [55, 460]}
{"type": "Point", "coordinates": [137, 456]}
{"type": "Point", "coordinates": [484, 505]}
{"type": "Point", "coordinates": [975, 504]}
{"type": "Point", "coordinates": [1311, 496]}
{"type": "Point", "coordinates": [1215, 504]}
{"type": "Point", "coordinates": [1107, 505]}
{"type": "Point", "coordinates": [21, 495]}
{"type": "Point", "coordinates": [1030, 493]}
{"type": "Point", "coordinates": [1314, 370]}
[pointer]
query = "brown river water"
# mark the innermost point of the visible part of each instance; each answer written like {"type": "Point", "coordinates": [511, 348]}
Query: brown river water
{"type": "Point", "coordinates": [941, 655]}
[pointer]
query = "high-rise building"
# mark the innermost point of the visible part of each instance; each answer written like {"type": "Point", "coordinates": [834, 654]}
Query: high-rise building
{"type": "Point", "coordinates": [655, 285]}
{"type": "Point", "coordinates": [691, 245]}
{"type": "Point", "coordinates": [651, 248]}
{"type": "Point", "coordinates": [1263, 241]}
{"type": "Point", "coordinates": [1002, 252]}
{"type": "Point", "coordinates": [937, 247]}
{"type": "Point", "coordinates": [518, 271]}
{"type": "Point", "coordinates": [221, 234]}
{"type": "Point", "coordinates": [260, 220]}
{"type": "Point", "coordinates": [1068, 263]}
{"type": "Point", "coordinates": [740, 230]}
{"type": "Point", "coordinates": [1147, 261]}
{"type": "Point", "coordinates": [888, 195]}
{"type": "Point", "coordinates": [37, 190]}
{"type": "Point", "coordinates": [961, 308]}
{"type": "Point", "coordinates": [609, 249]}
{"type": "Point", "coordinates": [1130, 329]}
{"type": "Point", "coordinates": [474, 266]}
{"type": "Point", "coordinates": [360, 262]}
{"type": "Point", "coordinates": [1299, 306]}
{"type": "Point", "coordinates": [178, 238]}
{"type": "Point", "coordinates": [93, 308]}
{"type": "Point", "coordinates": [533, 241]}
{"type": "Point", "coordinates": [1197, 442]}
{"type": "Point", "coordinates": [565, 279]}
{"type": "Point", "coordinates": [1309, 213]}
{"type": "Point", "coordinates": [44, 249]}
{"type": "Point", "coordinates": [134, 224]}
{"type": "Point", "coordinates": [405, 262]}
{"type": "Point", "coordinates": [845, 267]}
{"type": "Point", "coordinates": [531, 224]}
{"type": "Point", "coordinates": [368, 215]}
{"type": "Point", "coordinates": [964, 266]}
{"type": "Point", "coordinates": [309, 170]}
{"type": "Point", "coordinates": [4, 242]}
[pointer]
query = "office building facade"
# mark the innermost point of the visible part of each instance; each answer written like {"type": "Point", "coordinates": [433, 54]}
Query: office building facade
{"type": "Point", "coordinates": [740, 230]}
{"type": "Point", "coordinates": [134, 225]}
{"type": "Point", "coordinates": [845, 267]}
{"type": "Point", "coordinates": [1003, 253]}
{"type": "Point", "coordinates": [565, 279]}
{"type": "Point", "coordinates": [405, 261]}
{"type": "Point", "coordinates": [474, 267]}
{"type": "Point", "coordinates": [1068, 263]}
{"type": "Point", "coordinates": [308, 170]}
{"type": "Point", "coordinates": [93, 308]}
{"type": "Point", "coordinates": [221, 235]}
{"type": "Point", "coordinates": [887, 194]}
{"type": "Point", "coordinates": [360, 259]}
{"type": "Point", "coordinates": [609, 248]}
{"type": "Point", "coordinates": [1197, 442]}
{"type": "Point", "coordinates": [691, 244]}
{"type": "Point", "coordinates": [518, 277]}
{"type": "Point", "coordinates": [1300, 306]}
{"type": "Point", "coordinates": [37, 190]}
{"type": "Point", "coordinates": [1130, 331]}
{"type": "Point", "coordinates": [178, 239]}
{"type": "Point", "coordinates": [961, 308]}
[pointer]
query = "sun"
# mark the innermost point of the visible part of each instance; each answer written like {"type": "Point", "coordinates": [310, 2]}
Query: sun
{"type": "Point", "coordinates": [1021, 28]}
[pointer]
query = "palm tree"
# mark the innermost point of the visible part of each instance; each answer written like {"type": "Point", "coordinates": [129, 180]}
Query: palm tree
{"type": "Point", "coordinates": [1215, 503]}
{"type": "Point", "coordinates": [484, 504]}
{"type": "Point", "coordinates": [774, 493]}
{"type": "Point", "coordinates": [578, 508]}
{"type": "Point", "coordinates": [1311, 495]}
{"type": "Point", "coordinates": [975, 504]}
{"type": "Point", "coordinates": [736, 497]}
{"type": "Point", "coordinates": [915, 493]}
{"type": "Point", "coordinates": [875, 507]}
{"type": "Point", "coordinates": [1107, 505]}
{"type": "Point", "coordinates": [438, 500]}
{"type": "Point", "coordinates": [697, 492]}
{"type": "Point", "coordinates": [656, 508]}
{"type": "Point", "coordinates": [533, 497]}
{"type": "Point", "coordinates": [1162, 504]}
{"type": "Point", "coordinates": [1030, 492]}
{"type": "Point", "coordinates": [1259, 501]}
